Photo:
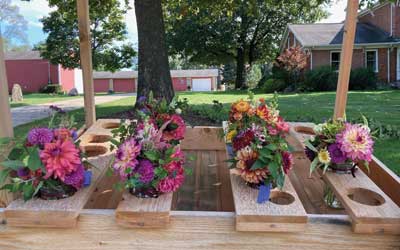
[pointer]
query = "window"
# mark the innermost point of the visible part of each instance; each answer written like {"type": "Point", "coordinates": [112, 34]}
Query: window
{"type": "Point", "coordinates": [371, 60]}
{"type": "Point", "coordinates": [335, 60]}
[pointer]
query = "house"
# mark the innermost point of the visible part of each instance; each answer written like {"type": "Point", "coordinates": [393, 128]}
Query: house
{"type": "Point", "coordinates": [32, 72]}
{"type": "Point", "coordinates": [183, 80]}
{"type": "Point", "coordinates": [377, 41]}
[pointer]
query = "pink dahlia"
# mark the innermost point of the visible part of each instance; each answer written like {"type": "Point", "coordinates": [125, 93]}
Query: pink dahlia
{"type": "Point", "coordinates": [178, 154]}
{"type": "Point", "coordinates": [171, 183]}
{"type": "Point", "coordinates": [176, 129]}
{"type": "Point", "coordinates": [126, 157]}
{"type": "Point", "coordinates": [282, 125]}
{"type": "Point", "coordinates": [76, 178]}
{"type": "Point", "coordinates": [60, 159]}
{"type": "Point", "coordinates": [355, 142]}
{"type": "Point", "coordinates": [287, 161]}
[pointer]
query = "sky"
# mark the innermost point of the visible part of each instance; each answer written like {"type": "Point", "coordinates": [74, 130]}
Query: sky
{"type": "Point", "coordinates": [36, 9]}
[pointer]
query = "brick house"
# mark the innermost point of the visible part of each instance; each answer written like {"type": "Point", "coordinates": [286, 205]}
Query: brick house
{"type": "Point", "coordinates": [376, 45]}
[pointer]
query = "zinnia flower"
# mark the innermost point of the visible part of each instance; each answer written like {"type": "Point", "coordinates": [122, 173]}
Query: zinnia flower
{"type": "Point", "coordinates": [336, 154]}
{"type": "Point", "coordinates": [146, 171]}
{"type": "Point", "coordinates": [126, 157]}
{"type": "Point", "coordinates": [171, 183]}
{"type": "Point", "coordinates": [60, 159]}
{"type": "Point", "coordinates": [176, 129]}
{"type": "Point", "coordinates": [287, 161]}
{"type": "Point", "coordinates": [242, 106]}
{"type": "Point", "coordinates": [246, 158]}
{"type": "Point", "coordinates": [40, 136]}
{"type": "Point", "coordinates": [76, 178]}
{"type": "Point", "coordinates": [324, 157]}
{"type": "Point", "coordinates": [355, 142]}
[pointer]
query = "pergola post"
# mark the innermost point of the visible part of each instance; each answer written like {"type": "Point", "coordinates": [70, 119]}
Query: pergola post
{"type": "Point", "coordinates": [86, 61]}
{"type": "Point", "coordinates": [6, 128]}
{"type": "Point", "coordinates": [346, 57]}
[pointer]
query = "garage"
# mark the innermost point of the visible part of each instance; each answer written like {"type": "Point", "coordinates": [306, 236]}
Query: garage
{"type": "Point", "coordinates": [203, 84]}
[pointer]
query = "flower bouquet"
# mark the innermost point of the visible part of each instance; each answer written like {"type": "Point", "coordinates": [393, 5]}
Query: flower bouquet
{"type": "Point", "coordinates": [261, 155]}
{"type": "Point", "coordinates": [149, 161]}
{"type": "Point", "coordinates": [339, 146]}
{"type": "Point", "coordinates": [50, 164]}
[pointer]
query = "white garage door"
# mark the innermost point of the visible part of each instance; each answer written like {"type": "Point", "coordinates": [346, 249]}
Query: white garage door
{"type": "Point", "coordinates": [201, 84]}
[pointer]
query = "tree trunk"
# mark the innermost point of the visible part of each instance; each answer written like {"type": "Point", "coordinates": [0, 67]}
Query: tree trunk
{"type": "Point", "coordinates": [154, 72]}
{"type": "Point", "coordinates": [240, 82]}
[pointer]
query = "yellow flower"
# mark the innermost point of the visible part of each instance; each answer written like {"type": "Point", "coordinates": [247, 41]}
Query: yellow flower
{"type": "Point", "coordinates": [242, 106]}
{"type": "Point", "coordinates": [230, 136]}
{"type": "Point", "coordinates": [324, 157]}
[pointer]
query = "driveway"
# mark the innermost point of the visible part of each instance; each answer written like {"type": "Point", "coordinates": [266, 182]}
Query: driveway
{"type": "Point", "coordinates": [27, 114]}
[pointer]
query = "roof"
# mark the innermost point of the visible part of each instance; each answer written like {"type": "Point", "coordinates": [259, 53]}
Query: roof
{"type": "Point", "coordinates": [23, 55]}
{"type": "Point", "coordinates": [174, 73]}
{"type": "Point", "coordinates": [328, 34]}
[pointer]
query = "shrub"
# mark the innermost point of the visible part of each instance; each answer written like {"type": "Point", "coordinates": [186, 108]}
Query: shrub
{"type": "Point", "coordinates": [363, 79]}
{"type": "Point", "coordinates": [323, 78]}
{"type": "Point", "coordinates": [272, 85]}
{"type": "Point", "coordinates": [51, 89]}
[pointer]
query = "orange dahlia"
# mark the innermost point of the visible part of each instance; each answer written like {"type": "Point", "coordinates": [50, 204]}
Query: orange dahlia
{"type": "Point", "coordinates": [246, 158]}
{"type": "Point", "coordinates": [242, 106]}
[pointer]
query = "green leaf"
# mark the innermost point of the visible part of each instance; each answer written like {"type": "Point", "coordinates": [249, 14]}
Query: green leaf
{"type": "Point", "coordinates": [27, 191]}
{"type": "Point", "coordinates": [271, 147]}
{"type": "Point", "coordinates": [326, 166]}
{"type": "Point", "coordinates": [16, 154]}
{"type": "Point", "coordinates": [39, 186]}
{"type": "Point", "coordinates": [14, 165]}
{"type": "Point", "coordinates": [314, 165]}
{"type": "Point", "coordinates": [152, 155]}
{"type": "Point", "coordinates": [4, 174]}
{"type": "Point", "coordinates": [258, 164]}
{"type": "Point", "coordinates": [34, 162]}
{"type": "Point", "coordinates": [310, 146]}
{"type": "Point", "coordinates": [273, 168]}
{"type": "Point", "coordinates": [280, 180]}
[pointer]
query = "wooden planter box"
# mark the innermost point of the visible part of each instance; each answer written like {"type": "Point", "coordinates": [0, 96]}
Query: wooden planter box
{"type": "Point", "coordinates": [203, 212]}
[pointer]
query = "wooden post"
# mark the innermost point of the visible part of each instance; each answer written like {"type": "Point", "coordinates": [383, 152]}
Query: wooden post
{"type": "Point", "coordinates": [346, 58]}
{"type": "Point", "coordinates": [86, 61]}
{"type": "Point", "coordinates": [6, 128]}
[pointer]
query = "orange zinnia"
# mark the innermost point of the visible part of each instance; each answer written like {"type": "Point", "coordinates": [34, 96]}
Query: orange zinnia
{"type": "Point", "coordinates": [242, 106]}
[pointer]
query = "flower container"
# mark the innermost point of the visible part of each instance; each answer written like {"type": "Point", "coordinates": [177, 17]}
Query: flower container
{"type": "Point", "coordinates": [56, 192]}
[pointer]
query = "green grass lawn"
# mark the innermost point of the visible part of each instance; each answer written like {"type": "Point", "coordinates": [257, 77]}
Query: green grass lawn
{"type": "Point", "coordinates": [37, 98]}
{"type": "Point", "coordinates": [383, 106]}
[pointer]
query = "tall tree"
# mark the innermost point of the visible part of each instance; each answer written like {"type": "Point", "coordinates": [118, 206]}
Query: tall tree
{"type": "Point", "coordinates": [154, 72]}
{"type": "Point", "coordinates": [240, 31]}
{"type": "Point", "coordinates": [110, 49]}
{"type": "Point", "coordinates": [12, 24]}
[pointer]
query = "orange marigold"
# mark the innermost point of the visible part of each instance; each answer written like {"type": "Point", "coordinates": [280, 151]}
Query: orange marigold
{"type": "Point", "coordinates": [242, 106]}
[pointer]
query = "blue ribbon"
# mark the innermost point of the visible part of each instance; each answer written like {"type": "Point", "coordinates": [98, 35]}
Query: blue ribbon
{"type": "Point", "coordinates": [87, 178]}
{"type": "Point", "coordinates": [263, 193]}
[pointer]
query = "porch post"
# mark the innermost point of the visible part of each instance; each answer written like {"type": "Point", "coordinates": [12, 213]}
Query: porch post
{"type": "Point", "coordinates": [86, 61]}
{"type": "Point", "coordinates": [346, 58]}
{"type": "Point", "coordinates": [6, 128]}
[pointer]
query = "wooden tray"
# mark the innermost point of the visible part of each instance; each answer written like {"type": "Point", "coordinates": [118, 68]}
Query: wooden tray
{"type": "Point", "coordinates": [288, 216]}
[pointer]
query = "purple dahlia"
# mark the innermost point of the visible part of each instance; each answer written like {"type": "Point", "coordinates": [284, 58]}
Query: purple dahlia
{"type": "Point", "coordinates": [146, 171]}
{"type": "Point", "coordinates": [76, 178]}
{"type": "Point", "coordinates": [336, 154]}
{"type": "Point", "coordinates": [40, 136]}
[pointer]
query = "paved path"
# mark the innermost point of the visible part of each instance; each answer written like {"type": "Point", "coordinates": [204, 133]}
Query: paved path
{"type": "Point", "coordinates": [27, 114]}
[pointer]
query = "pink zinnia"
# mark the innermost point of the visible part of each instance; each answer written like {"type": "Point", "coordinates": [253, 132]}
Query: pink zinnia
{"type": "Point", "coordinates": [170, 183]}
{"type": "Point", "coordinates": [282, 125]}
{"type": "Point", "coordinates": [126, 157]}
{"type": "Point", "coordinates": [176, 129]}
{"type": "Point", "coordinates": [355, 142]}
{"type": "Point", "coordinates": [60, 159]}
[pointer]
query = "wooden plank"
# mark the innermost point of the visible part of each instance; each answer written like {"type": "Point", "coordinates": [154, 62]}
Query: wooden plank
{"type": "Point", "coordinates": [5, 196]}
{"type": "Point", "coordinates": [370, 209]}
{"type": "Point", "coordinates": [298, 132]}
{"type": "Point", "coordinates": [97, 230]}
{"type": "Point", "coordinates": [135, 212]}
{"type": "Point", "coordinates": [6, 127]}
{"type": "Point", "coordinates": [64, 213]}
{"type": "Point", "coordinates": [86, 61]}
{"type": "Point", "coordinates": [270, 216]}
{"type": "Point", "coordinates": [203, 138]}
{"type": "Point", "coordinates": [225, 188]}
{"type": "Point", "coordinates": [346, 57]}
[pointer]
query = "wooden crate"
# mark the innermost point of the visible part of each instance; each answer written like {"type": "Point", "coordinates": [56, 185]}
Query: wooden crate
{"type": "Point", "coordinates": [64, 213]}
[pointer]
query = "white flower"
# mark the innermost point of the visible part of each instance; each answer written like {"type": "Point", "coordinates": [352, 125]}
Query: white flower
{"type": "Point", "coordinates": [178, 111]}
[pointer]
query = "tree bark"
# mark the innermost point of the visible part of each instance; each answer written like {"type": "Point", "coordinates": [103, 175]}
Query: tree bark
{"type": "Point", "coordinates": [154, 72]}
{"type": "Point", "coordinates": [240, 69]}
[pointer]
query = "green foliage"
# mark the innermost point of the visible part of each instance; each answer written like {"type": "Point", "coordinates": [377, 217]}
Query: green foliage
{"type": "Point", "coordinates": [253, 76]}
{"type": "Point", "coordinates": [273, 85]}
{"type": "Point", "coordinates": [323, 78]}
{"type": "Point", "coordinates": [363, 79]}
{"type": "Point", "coordinates": [110, 49]}
{"type": "Point", "coordinates": [51, 89]}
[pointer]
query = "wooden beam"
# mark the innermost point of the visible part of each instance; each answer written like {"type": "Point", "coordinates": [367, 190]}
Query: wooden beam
{"type": "Point", "coordinates": [86, 60]}
{"type": "Point", "coordinates": [6, 128]}
{"type": "Point", "coordinates": [346, 58]}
